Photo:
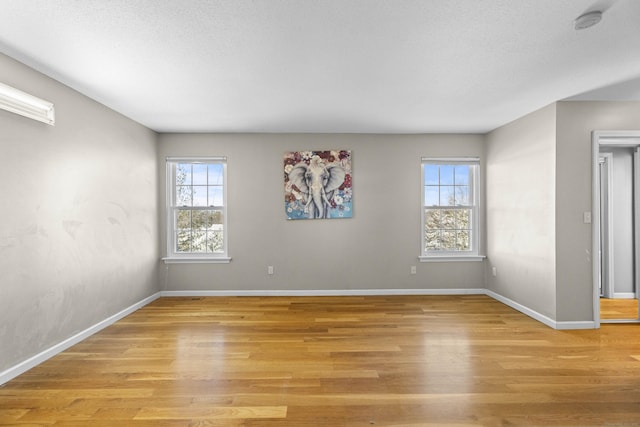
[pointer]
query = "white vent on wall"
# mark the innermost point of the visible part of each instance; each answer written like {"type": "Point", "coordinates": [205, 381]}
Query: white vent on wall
{"type": "Point", "coordinates": [16, 101]}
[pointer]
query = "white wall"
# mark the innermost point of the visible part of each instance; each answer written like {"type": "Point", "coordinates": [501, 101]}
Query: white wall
{"type": "Point", "coordinates": [372, 250]}
{"type": "Point", "coordinates": [79, 229]}
{"type": "Point", "coordinates": [575, 122]}
{"type": "Point", "coordinates": [521, 211]}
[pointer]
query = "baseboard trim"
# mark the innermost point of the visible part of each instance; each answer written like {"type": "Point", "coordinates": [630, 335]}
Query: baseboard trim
{"type": "Point", "coordinates": [322, 292]}
{"type": "Point", "coordinates": [24, 366]}
{"type": "Point", "coordinates": [539, 316]}
{"type": "Point", "coordinates": [522, 309]}
{"type": "Point", "coordinates": [624, 295]}
{"type": "Point", "coordinates": [565, 326]}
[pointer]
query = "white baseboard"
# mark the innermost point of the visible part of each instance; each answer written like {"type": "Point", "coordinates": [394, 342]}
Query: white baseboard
{"type": "Point", "coordinates": [321, 292]}
{"type": "Point", "coordinates": [24, 366]}
{"type": "Point", "coordinates": [541, 317]}
{"type": "Point", "coordinates": [624, 295]}
{"type": "Point", "coordinates": [586, 324]}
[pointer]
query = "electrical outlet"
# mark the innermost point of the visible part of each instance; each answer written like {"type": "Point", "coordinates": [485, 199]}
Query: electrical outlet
{"type": "Point", "coordinates": [413, 269]}
{"type": "Point", "coordinates": [494, 271]}
{"type": "Point", "coordinates": [270, 270]}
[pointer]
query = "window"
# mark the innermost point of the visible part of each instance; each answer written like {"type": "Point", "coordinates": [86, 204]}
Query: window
{"type": "Point", "coordinates": [450, 214]}
{"type": "Point", "coordinates": [196, 210]}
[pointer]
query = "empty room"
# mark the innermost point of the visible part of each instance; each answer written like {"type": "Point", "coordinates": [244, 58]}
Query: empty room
{"type": "Point", "coordinates": [320, 213]}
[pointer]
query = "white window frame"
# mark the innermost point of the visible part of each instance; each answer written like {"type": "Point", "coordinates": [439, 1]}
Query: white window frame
{"type": "Point", "coordinates": [171, 210]}
{"type": "Point", "coordinates": [473, 254]}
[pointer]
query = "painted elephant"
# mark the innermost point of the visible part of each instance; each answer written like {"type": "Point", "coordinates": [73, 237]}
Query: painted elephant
{"type": "Point", "coordinates": [317, 181]}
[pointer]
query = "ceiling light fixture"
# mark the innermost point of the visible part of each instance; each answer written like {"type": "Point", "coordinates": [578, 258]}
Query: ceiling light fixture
{"type": "Point", "coordinates": [16, 101]}
{"type": "Point", "coordinates": [588, 19]}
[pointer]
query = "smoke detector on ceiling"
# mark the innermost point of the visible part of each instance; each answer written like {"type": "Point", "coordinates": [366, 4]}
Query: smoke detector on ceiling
{"type": "Point", "coordinates": [588, 19]}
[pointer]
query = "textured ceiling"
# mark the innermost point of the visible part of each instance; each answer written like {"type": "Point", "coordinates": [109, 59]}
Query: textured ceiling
{"type": "Point", "coordinates": [366, 66]}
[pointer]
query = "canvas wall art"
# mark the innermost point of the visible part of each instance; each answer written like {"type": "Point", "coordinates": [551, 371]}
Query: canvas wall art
{"type": "Point", "coordinates": [318, 184]}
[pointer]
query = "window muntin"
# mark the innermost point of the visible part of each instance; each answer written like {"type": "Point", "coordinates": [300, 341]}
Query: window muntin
{"type": "Point", "coordinates": [450, 207]}
{"type": "Point", "coordinates": [196, 214]}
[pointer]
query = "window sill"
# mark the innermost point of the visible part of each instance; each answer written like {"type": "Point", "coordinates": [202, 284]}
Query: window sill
{"type": "Point", "coordinates": [452, 258]}
{"type": "Point", "coordinates": [196, 260]}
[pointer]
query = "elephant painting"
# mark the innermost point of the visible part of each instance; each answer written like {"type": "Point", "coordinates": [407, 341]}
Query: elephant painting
{"type": "Point", "coordinates": [318, 184]}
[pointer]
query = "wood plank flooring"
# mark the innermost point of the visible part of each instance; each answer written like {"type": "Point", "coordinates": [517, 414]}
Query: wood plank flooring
{"type": "Point", "coordinates": [618, 308]}
{"type": "Point", "coordinates": [334, 361]}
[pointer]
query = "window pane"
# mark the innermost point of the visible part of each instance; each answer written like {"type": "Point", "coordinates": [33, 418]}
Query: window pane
{"type": "Point", "coordinates": [183, 219]}
{"type": "Point", "coordinates": [216, 196]}
{"type": "Point", "coordinates": [462, 174]}
{"type": "Point", "coordinates": [462, 195]}
{"type": "Point", "coordinates": [432, 240]}
{"type": "Point", "coordinates": [447, 195]}
{"type": "Point", "coordinates": [183, 195]}
{"type": "Point", "coordinates": [431, 196]}
{"type": "Point", "coordinates": [448, 219]}
{"type": "Point", "coordinates": [448, 240]}
{"type": "Point", "coordinates": [214, 218]}
{"type": "Point", "coordinates": [183, 174]}
{"type": "Point", "coordinates": [216, 174]}
{"type": "Point", "coordinates": [431, 176]}
{"type": "Point", "coordinates": [183, 241]}
{"type": "Point", "coordinates": [446, 175]}
{"type": "Point", "coordinates": [199, 240]}
{"type": "Point", "coordinates": [432, 219]}
{"type": "Point", "coordinates": [199, 174]}
{"type": "Point", "coordinates": [462, 217]}
{"type": "Point", "coordinates": [462, 241]}
{"type": "Point", "coordinates": [215, 240]}
{"type": "Point", "coordinates": [200, 195]}
{"type": "Point", "coordinates": [199, 220]}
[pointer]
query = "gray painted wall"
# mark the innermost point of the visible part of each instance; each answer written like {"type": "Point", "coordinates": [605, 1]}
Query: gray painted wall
{"type": "Point", "coordinates": [575, 122]}
{"type": "Point", "coordinates": [521, 211]}
{"type": "Point", "coordinates": [79, 229]}
{"type": "Point", "coordinates": [372, 250]}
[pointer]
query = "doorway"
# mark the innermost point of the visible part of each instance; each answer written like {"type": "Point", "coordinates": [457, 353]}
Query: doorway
{"type": "Point", "coordinates": [616, 226]}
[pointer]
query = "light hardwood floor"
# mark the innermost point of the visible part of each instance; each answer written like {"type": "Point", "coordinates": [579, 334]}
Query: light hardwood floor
{"type": "Point", "coordinates": [618, 308]}
{"type": "Point", "coordinates": [334, 361]}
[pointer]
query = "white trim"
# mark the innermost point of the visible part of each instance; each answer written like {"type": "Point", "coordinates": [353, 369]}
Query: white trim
{"type": "Point", "coordinates": [451, 258]}
{"type": "Point", "coordinates": [523, 309]}
{"type": "Point", "coordinates": [457, 160]}
{"type": "Point", "coordinates": [197, 159]}
{"type": "Point", "coordinates": [587, 324]}
{"type": "Point", "coordinates": [608, 160]}
{"type": "Point", "coordinates": [541, 317]}
{"type": "Point", "coordinates": [31, 362]}
{"type": "Point", "coordinates": [606, 138]}
{"type": "Point", "coordinates": [196, 260]}
{"type": "Point", "coordinates": [624, 295]}
{"type": "Point", "coordinates": [320, 292]}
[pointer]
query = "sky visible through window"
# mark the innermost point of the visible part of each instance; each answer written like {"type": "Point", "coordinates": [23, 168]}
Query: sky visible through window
{"type": "Point", "coordinates": [199, 184]}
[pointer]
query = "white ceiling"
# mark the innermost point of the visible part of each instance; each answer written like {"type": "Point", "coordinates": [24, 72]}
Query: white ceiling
{"type": "Point", "coordinates": [365, 66]}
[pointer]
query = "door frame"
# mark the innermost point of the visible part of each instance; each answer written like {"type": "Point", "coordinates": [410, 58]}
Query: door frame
{"type": "Point", "coordinates": [606, 255]}
{"type": "Point", "coordinates": [614, 138]}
